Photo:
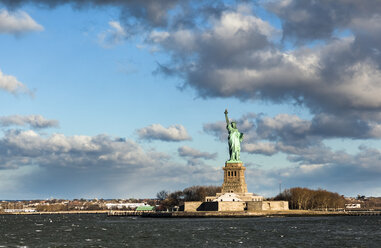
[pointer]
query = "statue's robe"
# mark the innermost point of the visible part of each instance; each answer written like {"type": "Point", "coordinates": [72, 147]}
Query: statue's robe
{"type": "Point", "coordinates": [235, 137]}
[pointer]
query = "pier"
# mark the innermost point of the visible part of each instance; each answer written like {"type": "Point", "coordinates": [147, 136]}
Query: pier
{"type": "Point", "coordinates": [364, 213]}
{"type": "Point", "coordinates": [234, 214]}
{"type": "Point", "coordinates": [128, 213]}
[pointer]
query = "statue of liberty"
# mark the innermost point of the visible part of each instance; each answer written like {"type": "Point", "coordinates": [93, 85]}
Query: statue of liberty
{"type": "Point", "coordinates": [235, 139]}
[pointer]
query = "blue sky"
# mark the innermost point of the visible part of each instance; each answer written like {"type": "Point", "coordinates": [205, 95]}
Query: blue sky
{"type": "Point", "coordinates": [119, 99]}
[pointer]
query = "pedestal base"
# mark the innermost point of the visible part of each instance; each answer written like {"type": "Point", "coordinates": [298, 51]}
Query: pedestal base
{"type": "Point", "coordinates": [234, 178]}
{"type": "Point", "coordinates": [230, 197]}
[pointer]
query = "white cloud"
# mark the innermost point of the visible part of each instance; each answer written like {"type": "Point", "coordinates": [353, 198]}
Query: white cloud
{"type": "Point", "coordinates": [158, 132]}
{"type": "Point", "coordinates": [12, 85]}
{"type": "Point", "coordinates": [232, 22]}
{"type": "Point", "coordinates": [34, 121]}
{"type": "Point", "coordinates": [115, 35]}
{"type": "Point", "coordinates": [158, 36]}
{"type": "Point", "coordinates": [17, 23]}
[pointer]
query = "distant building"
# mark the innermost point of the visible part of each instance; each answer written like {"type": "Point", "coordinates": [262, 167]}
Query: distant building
{"type": "Point", "coordinates": [353, 205]}
{"type": "Point", "coordinates": [25, 210]}
{"type": "Point", "coordinates": [124, 205]}
{"type": "Point", "coordinates": [145, 208]}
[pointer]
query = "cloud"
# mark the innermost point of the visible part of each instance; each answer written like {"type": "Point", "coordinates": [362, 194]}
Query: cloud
{"type": "Point", "coordinates": [89, 166]}
{"type": "Point", "coordinates": [310, 20]}
{"type": "Point", "coordinates": [142, 16]}
{"type": "Point", "coordinates": [158, 132]}
{"type": "Point", "coordinates": [236, 54]}
{"type": "Point", "coordinates": [239, 60]}
{"type": "Point", "coordinates": [260, 148]}
{"type": "Point", "coordinates": [339, 172]}
{"type": "Point", "coordinates": [186, 151]}
{"type": "Point", "coordinates": [34, 121]}
{"type": "Point", "coordinates": [17, 23]}
{"type": "Point", "coordinates": [332, 68]}
{"type": "Point", "coordinates": [12, 85]}
{"type": "Point", "coordinates": [113, 36]}
{"type": "Point", "coordinates": [292, 135]}
{"type": "Point", "coordinates": [194, 156]}
{"type": "Point", "coordinates": [27, 147]}
{"type": "Point", "coordinates": [151, 12]}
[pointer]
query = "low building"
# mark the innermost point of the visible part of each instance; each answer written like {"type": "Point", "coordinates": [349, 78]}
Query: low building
{"type": "Point", "coordinates": [124, 205]}
{"type": "Point", "coordinates": [352, 205]}
{"type": "Point", "coordinates": [145, 208]}
{"type": "Point", "coordinates": [24, 210]}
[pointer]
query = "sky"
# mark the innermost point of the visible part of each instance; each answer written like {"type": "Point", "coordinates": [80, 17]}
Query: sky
{"type": "Point", "coordinates": [123, 99]}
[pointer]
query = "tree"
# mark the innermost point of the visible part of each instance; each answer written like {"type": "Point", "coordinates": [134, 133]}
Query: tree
{"type": "Point", "coordinates": [198, 193]}
{"type": "Point", "coordinates": [162, 195]}
{"type": "Point", "coordinates": [194, 193]}
{"type": "Point", "coordinates": [304, 198]}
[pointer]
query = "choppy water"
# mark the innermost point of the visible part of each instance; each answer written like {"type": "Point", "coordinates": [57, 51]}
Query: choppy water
{"type": "Point", "coordinates": [103, 231]}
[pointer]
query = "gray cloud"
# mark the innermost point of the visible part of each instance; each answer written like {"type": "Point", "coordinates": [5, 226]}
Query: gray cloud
{"type": "Point", "coordinates": [260, 148]}
{"type": "Point", "coordinates": [10, 84]}
{"type": "Point", "coordinates": [336, 171]}
{"type": "Point", "coordinates": [88, 166]}
{"type": "Point", "coordinates": [314, 164]}
{"type": "Point", "coordinates": [34, 121]}
{"type": "Point", "coordinates": [238, 55]}
{"type": "Point", "coordinates": [27, 147]}
{"type": "Point", "coordinates": [310, 20]}
{"type": "Point", "coordinates": [149, 13]}
{"type": "Point", "coordinates": [292, 135]}
{"type": "Point", "coordinates": [304, 76]}
{"type": "Point", "coordinates": [17, 23]}
{"type": "Point", "coordinates": [217, 129]}
{"type": "Point", "coordinates": [194, 156]}
{"type": "Point", "coordinates": [186, 151]}
{"type": "Point", "coordinates": [152, 12]}
{"type": "Point", "coordinates": [158, 132]}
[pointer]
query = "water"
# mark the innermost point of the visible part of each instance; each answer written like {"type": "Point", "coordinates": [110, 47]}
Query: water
{"type": "Point", "coordinates": [103, 231]}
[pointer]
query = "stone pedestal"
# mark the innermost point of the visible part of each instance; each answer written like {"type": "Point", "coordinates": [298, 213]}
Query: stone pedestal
{"type": "Point", "coordinates": [234, 188]}
{"type": "Point", "coordinates": [234, 178]}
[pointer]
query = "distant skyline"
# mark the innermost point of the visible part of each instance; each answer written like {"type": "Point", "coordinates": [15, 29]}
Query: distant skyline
{"type": "Point", "coordinates": [120, 99]}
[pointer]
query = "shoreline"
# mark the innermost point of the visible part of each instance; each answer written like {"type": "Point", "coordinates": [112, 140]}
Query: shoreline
{"type": "Point", "coordinates": [209, 214]}
{"type": "Point", "coordinates": [289, 213]}
{"type": "Point", "coordinates": [57, 212]}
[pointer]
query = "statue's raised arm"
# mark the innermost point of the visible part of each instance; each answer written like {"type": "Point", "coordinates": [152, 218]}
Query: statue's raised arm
{"type": "Point", "coordinates": [226, 117]}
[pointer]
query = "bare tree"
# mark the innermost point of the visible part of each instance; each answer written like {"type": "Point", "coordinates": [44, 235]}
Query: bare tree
{"type": "Point", "coordinates": [304, 198]}
{"type": "Point", "coordinates": [162, 195]}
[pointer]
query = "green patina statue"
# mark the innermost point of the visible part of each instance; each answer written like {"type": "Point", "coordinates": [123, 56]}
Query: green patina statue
{"type": "Point", "coordinates": [235, 138]}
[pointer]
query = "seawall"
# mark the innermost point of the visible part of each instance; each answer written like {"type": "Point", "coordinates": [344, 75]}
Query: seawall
{"type": "Point", "coordinates": [289, 213]}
